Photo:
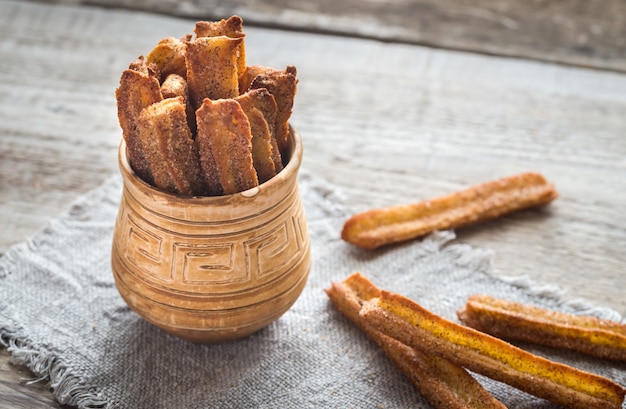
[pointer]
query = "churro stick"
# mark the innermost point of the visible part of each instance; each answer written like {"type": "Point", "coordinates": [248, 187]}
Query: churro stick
{"type": "Point", "coordinates": [282, 85]}
{"type": "Point", "coordinates": [212, 68]}
{"type": "Point", "coordinates": [378, 227]}
{"type": "Point", "coordinates": [171, 150]}
{"type": "Point", "coordinates": [176, 86]}
{"type": "Point", "coordinates": [224, 134]}
{"type": "Point", "coordinates": [258, 105]}
{"type": "Point", "coordinates": [514, 321]}
{"type": "Point", "coordinates": [444, 384]}
{"type": "Point", "coordinates": [231, 27]}
{"type": "Point", "coordinates": [408, 322]}
{"type": "Point", "coordinates": [139, 88]}
{"type": "Point", "coordinates": [169, 57]}
{"type": "Point", "coordinates": [148, 136]}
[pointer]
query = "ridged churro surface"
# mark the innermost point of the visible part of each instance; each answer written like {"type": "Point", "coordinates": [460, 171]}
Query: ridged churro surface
{"type": "Point", "coordinates": [515, 321]}
{"type": "Point", "coordinates": [379, 227]}
{"type": "Point", "coordinates": [411, 324]}
{"type": "Point", "coordinates": [444, 384]}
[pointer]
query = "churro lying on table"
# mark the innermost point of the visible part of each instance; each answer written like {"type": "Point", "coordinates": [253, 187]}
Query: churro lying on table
{"type": "Point", "coordinates": [411, 324]}
{"type": "Point", "coordinates": [519, 322]}
{"type": "Point", "coordinates": [444, 384]}
{"type": "Point", "coordinates": [378, 227]}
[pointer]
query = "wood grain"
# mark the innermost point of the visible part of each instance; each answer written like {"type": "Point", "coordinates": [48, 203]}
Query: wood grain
{"type": "Point", "coordinates": [15, 390]}
{"type": "Point", "coordinates": [386, 123]}
{"type": "Point", "coordinates": [590, 33]}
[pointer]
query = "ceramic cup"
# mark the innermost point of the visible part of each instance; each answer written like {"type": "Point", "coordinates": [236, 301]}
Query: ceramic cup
{"type": "Point", "coordinates": [212, 269]}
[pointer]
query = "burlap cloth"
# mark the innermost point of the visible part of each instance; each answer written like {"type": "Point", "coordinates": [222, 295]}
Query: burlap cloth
{"type": "Point", "coordinates": [61, 315]}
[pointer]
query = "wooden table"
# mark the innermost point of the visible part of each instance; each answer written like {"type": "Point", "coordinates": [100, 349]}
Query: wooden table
{"type": "Point", "coordinates": [385, 122]}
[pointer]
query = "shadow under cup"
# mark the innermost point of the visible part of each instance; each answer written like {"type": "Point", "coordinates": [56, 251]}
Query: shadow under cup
{"type": "Point", "coordinates": [212, 269]}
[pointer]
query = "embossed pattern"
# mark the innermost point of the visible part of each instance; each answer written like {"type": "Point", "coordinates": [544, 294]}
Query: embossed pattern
{"type": "Point", "coordinates": [185, 267]}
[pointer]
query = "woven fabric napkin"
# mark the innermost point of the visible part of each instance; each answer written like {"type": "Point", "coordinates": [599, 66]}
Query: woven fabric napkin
{"type": "Point", "coordinates": [61, 315]}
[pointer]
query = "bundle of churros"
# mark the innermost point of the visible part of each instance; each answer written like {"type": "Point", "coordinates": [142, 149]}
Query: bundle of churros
{"type": "Point", "coordinates": [197, 121]}
{"type": "Point", "coordinates": [435, 354]}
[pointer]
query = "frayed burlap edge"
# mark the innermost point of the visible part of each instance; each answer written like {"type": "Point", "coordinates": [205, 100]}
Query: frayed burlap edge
{"type": "Point", "coordinates": [68, 389]}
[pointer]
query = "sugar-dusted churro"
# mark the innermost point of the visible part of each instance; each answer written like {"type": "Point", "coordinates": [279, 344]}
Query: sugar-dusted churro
{"type": "Point", "coordinates": [413, 325]}
{"type": "Point", "coordinates": [168, 57]}
{"type": "Point", "coordinates": [282, 85]}
{"type": "Point", "coordinates": [259, 106]}
{"type": "Point", "coordinates": [139, 88]}
{"type": "Point", "coordinates": [378, 227]}
{"type": "Point", "coordinates": [224, 136]}
{"type": "Point", "coordinates": [444, 384]}
{"type": "Point", "coordinates": [231, 27]}
{"type": "Point", "coordinates": [212, 68]}
{"type": "Point", "coordinates": [176, 86]}
{"type": "Point", "coordinates": [519, 322]}
{"type": "Point", "coordinates": [172, 154]}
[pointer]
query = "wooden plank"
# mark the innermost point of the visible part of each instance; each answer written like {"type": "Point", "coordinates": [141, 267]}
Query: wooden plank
{"type": "Point", "coordinates": [17, 393]}
{"type": "Point", "coordinates": [449, 119]}
{"type": "Point", "coordinates": [386, 123]}
{"type": "Point", "coordinates": [590, 33]}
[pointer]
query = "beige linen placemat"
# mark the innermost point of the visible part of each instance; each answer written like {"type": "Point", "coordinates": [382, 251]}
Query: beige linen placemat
{"type": "Point", "coordinates": [61, 315]}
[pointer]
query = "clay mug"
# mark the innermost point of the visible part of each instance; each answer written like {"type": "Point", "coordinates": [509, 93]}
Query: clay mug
{"type": "Point", "coordinates": [212, 269]}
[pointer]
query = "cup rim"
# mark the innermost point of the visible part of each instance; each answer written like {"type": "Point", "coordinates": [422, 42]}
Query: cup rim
{"type": "Point", "coordinates": [292, 167]}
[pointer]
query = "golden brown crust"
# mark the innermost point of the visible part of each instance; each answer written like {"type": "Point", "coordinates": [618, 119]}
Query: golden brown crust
{"type": "Point", "coordinates": [224, 133]}
{"type": "Point", "coordinates": [282, 84]}
{"type": "Point", "coordinates": [212, 68]}
{"type": "Point", "coordinates": [149, 135]}
{"type": "Point", "coordinates": [266, 103]}
{"type": "Point", "coordinates": [169, 58]}
{"type": "Point", "coordinates": [231, 27]}
{"type": "Point", "coordinates": [138, 89]}
{"type": "Point", "coordinates": [378, 227]}
{"type": "Point", "coordinates": [249, 74]}
{"type": "Point", "coordinates": [176, 86]}
{"type": "Point", "coordinates": [444, 384]}
{"type": "Point", "coordinates": [515, 321]}
{"type": "Point", "coordinates": [208, 166]}
{"type": "Point", "coordinates": [259, 105]}
{"type": "Point", "coordinates": [175, 147]}
{"type": "Point", "coordinates": [205, 67]}
{"type": "Point", "coordinates": [417, 327]}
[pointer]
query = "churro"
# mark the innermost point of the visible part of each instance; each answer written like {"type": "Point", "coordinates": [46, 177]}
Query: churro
{"type": "Point", "coordinates": [176, 86]}
{"type": "Point", "coordinates": [212, 68]}
{"type": "Point", "coordinates": [413, 325]}
{"type": "Point", "coordinates": [224, 136]}
{"type": "Point", "coordinates": [259, 106]}
{"type": "Point", "coordinates": [168, 57]}
{"type": "Point", "coordinates": [519, 322]}
{"type": "Point", "coordinates": [444, 384]}
{"type": "Point", "coordinates": [378, 227]}
{"type": "Point", "coordinates": [282, 85]}
{"type": "Point", "coordinates": [231, 27]}
{"type": "Point", "coordinates": [171, 151]}
{"type": "Point", "coordinates": [139, 88]}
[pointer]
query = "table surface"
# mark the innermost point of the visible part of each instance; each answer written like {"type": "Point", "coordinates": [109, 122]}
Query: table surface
{"type": "Point", "coordinates": [397, 102]}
